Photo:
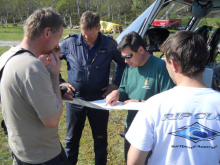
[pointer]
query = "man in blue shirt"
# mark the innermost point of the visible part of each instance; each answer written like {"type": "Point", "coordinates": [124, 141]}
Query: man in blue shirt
{"type": "Point", "coordinates": [89, 55]}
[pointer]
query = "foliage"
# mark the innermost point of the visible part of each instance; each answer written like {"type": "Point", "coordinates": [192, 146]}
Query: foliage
{"type": "Point", "coordinates": [14, 11]}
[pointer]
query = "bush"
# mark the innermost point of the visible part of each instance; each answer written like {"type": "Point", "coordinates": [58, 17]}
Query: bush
{"type": "Point", "coordinates": [218, 24]}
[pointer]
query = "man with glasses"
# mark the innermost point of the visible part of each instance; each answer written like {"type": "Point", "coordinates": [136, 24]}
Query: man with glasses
{"type": "Point", "coordinates": [144, 76]}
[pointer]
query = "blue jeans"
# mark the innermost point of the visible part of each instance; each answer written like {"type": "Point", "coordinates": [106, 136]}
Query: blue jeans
{"type": "Point", "coordinates": [98, 119]}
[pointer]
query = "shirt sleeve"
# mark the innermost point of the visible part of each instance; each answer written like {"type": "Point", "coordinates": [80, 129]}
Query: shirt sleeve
{"type": "Point", "coordinates": [123, 95]}
{"type": "Point", "coordinates": [120, 65]}
{"type": "Point", "coordinates": [141, 131]}
{"type": "Point", "coordinates": [39, 94]}
{"type": "Point", "coordinates": [64, 51]}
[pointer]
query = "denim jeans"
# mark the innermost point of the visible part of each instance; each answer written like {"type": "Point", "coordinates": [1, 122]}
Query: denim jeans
{"type": "Point", "coordinates": [98, 119]}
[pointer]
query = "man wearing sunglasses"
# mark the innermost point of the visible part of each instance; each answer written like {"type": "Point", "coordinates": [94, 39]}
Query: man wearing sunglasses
{"type": "Point", "coordinates": [144, 76]}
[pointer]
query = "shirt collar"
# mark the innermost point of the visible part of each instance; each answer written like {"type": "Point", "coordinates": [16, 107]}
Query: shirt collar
{"type": "Point", "coordinates": [96, 42]}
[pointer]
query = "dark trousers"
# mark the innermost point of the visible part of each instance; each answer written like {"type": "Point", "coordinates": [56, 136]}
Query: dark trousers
{"type": "Point", "coordinates": [98, 119]}
{"type": "Point", "coordinates": [60, 159]}
{"type": "Point", "coordinates": [127, 144]}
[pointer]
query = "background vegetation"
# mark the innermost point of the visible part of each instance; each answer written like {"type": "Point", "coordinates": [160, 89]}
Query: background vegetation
{"type": "Point", "coordinates": [117, 11]}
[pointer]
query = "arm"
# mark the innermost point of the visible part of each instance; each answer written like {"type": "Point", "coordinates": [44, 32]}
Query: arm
{"type": "Point", "coordinates": [109, 89]}
{"type": "Point", "coordinates": [132, 100]}
{"type": "Point", "coordinates": [123, 95]}
{"type": "Point", "coordinates": [120, 65]}
{"type": "Point", "coordinates": [136, 156]}
{"type": "Point", "coordinates": [64, 51]}
{"type": "Point", "coordinates": [53, 122]}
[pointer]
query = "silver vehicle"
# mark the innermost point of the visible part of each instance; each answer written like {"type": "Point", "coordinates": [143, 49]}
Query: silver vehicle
{"type": "Point", "coordinates": [198, 10]}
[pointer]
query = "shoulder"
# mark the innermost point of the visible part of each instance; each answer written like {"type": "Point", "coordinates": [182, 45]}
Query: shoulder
{"type": "Point", "coordinates": [70, 35]}
{"type": "Point", "coordinates": [158, 64]}
{"type": "Point", "coordinates": [70, 38]}
{"type": "Point", "coordinates": [156, 101]}
{"type": "Point", "coordinates": [109, 38]}
{"type": "Point", "coordinates": [158, 61]}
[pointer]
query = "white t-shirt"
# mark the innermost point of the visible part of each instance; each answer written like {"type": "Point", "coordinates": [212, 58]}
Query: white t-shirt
{"type": "Point", "coordinates": [181, 126]}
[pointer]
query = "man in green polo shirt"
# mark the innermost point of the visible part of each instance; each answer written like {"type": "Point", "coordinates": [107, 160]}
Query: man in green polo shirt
{"type": "Point", "coordinates": [144, 76]}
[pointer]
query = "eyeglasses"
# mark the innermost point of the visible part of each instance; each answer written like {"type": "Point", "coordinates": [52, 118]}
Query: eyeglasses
{"type": "Point", "coordinates": [129, 56]}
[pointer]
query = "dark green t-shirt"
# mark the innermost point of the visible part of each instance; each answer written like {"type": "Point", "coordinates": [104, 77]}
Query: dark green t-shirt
{"type": "Point", "coordinates": [143, 82]}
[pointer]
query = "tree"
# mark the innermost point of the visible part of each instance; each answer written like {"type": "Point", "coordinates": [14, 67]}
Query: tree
{"type": "Point", "coordinates": [69, 6]}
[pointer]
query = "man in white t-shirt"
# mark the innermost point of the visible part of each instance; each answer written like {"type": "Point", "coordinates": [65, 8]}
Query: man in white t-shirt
{"type": "Point", "coordinates": [180, 125]}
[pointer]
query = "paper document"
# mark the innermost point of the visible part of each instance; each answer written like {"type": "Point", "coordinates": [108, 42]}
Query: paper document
{"type": "Point", "coordinates": [100, 104]}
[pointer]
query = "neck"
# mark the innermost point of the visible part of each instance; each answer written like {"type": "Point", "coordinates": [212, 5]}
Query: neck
{"type": "Point", "coordinates": [193, 81]}
{"type": "Point", "coordinates": [145, 56]}
{"type": "Point", "coordinates": [32, 45]}
{"type": "Point", "coordinates": [90, 43]}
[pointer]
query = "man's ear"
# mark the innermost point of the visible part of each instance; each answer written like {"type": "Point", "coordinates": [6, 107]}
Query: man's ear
{"type": "Point", "coordinates": [46, 32]}
{"type": "Point", "coordinates": [175, 65]}
{"type": "Point", "coordinates": [141, 49]}
{"type": "Point", "coordinates": [99, 28]}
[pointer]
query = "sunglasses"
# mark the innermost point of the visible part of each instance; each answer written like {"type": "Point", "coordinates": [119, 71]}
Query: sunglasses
{"type": "Point", "coordinates": [129, 56]}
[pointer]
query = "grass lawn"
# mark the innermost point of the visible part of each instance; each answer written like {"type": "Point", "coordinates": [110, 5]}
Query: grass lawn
{"type": "Point", "coordinates": [12, 33]}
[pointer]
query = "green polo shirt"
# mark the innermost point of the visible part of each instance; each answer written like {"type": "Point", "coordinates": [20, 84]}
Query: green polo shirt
{"type": "Point", "coordinates": [143, 82]}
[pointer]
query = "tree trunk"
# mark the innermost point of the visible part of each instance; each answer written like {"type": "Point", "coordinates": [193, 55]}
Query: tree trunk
{"type": "Point", "coordinates": [5, 21]}
{"type": "Point", "coordinates": [119, 12]}
{"type": "Point", "coordinates": [71, 24]}
{"type": "Point", "coordinates": [13, 19]}
{"type": "Point", "coordinates": [125, 17]}
{"type": "Point", "coordinates": [135, 10]}
{"type": "Point", "coordinates": [112, 14]}
{"type": "Point", "coordinates": [109, 14]}
{"type": "Point", "coordinates": [78, 9]}
{"type": "Point", "coordinates": [2, 23]}
{"type": "Point", "coordinates": [97, 6]}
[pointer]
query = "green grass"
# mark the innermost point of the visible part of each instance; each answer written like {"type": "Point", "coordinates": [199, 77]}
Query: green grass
{"type": "Point", "coordinates": [214, 22]}
{"type": "Point", "coordinates": [16, 33]}
{"type": "Point", "coordinates": [3, 49]}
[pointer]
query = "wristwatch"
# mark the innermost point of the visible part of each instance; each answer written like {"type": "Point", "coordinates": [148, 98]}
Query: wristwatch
{"type": "Point", "coordinates": [139, 100]}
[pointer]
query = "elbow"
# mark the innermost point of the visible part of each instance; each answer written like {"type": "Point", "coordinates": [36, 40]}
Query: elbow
{"type": "Point", "coordinates": [52, 124]}
{"type": "Point", "coordinates": [53, 121]}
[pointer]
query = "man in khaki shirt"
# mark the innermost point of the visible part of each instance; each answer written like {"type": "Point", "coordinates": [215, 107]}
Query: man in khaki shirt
{"type": "Point", "coordinates": [31, 99]}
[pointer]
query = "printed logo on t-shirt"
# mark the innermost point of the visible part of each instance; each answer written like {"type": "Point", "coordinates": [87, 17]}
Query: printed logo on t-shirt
{"type": "Point", "coordinates": [196, 132]}
{"type": "Point", "coordinates": [146, 84]}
